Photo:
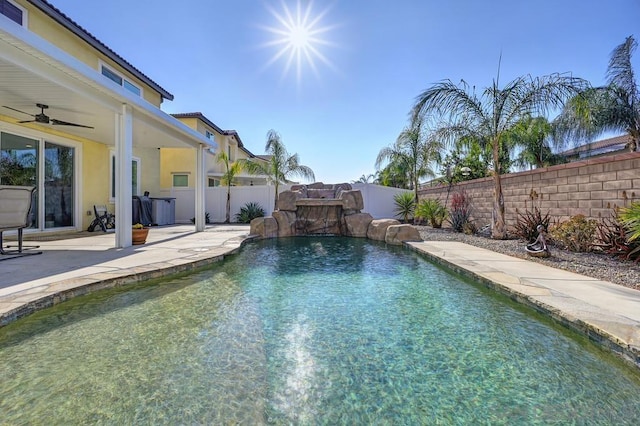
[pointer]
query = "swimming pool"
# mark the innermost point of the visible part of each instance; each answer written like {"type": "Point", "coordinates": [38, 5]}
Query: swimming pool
{"type": "Point", "coordinates": [306, 330]}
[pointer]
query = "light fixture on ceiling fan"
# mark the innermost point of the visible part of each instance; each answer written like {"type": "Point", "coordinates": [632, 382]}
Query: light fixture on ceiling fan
{"type": "Point", "coordinates": [43, 118]}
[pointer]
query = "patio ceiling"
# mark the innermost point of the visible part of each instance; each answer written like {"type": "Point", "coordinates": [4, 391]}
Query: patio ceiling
{"type": "Point", "coordinates": [34, 71]}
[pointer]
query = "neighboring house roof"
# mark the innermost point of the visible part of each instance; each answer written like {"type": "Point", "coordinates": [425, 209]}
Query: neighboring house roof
{"type": "Point", "coordinates": [211, 124]}
{"type": "Point", "coordinates": [85, 35]}
{"type": "Point", "coordinates": [599, 148]}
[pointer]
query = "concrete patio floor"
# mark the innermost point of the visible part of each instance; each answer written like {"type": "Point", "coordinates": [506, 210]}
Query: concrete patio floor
{"type": "Point", "coordinates": [608, 313]}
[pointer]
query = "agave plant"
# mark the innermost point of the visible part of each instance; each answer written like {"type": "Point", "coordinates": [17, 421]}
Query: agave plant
{"type": "Point", "coordinates": [249, 212]}
{"type": "Point", "coordinates": [405, 205]}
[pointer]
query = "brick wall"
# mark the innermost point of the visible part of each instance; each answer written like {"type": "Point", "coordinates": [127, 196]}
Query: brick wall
{"type": "Point", "coordinates": [590, 187]}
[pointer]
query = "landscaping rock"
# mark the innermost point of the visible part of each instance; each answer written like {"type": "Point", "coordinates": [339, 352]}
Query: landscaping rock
{"type": "Point", "coordinates": [356, 225]}
{"type": "Point", "coordinates": [398, 234]}
{"type": "Point", "coordinates": [287, 200]}
{"type": "Point", "coordinates": [264, 227]}
{"type": "Point", "coordinates": [377, 230]}
{"type": "Point", "coordinates": [286, 223]}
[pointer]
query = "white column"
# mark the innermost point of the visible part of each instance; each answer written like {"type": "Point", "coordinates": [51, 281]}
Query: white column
{"type": "Point", "coordinates": [200, 189]}
{"type": "Point", "coordinates": [124, 154]}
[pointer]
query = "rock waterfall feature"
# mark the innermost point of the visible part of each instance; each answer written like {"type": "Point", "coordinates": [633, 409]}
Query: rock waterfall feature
{"type": "Point", "coordinates": [319, 209]}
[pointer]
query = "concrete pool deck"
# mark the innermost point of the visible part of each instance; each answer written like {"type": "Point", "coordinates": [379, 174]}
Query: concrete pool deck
{"type": "Point", "coordinates": [608, 313]}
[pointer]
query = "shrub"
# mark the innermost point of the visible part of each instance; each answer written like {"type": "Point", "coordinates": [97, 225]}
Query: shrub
{"type": "Point", "coordinates": [576, 234]}
{"type": "Point", "coordinates": [249, 212]}
{"type": "Point", "coordinates": [206, 218]}
{"type": "Point", "coordinates": [527, 222]}
{"type": "Point", "coordinates": [460, 212]}
{"type": "Point", "coordinates": [431, 210]}
{"type": "Point", "coordinates": [630, 217]}
{"type": "Point", "coordinates": [405, 205]}
{"type": "Point", "coordinates": [614, 239]}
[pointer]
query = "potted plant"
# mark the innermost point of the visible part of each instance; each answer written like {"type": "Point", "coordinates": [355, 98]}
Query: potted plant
{"type": "Point", "coordinates": [139, 234]}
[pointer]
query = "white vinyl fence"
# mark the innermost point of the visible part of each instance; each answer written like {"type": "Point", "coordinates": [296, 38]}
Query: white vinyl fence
{"type": "Point", "coordinates": [378, 200]}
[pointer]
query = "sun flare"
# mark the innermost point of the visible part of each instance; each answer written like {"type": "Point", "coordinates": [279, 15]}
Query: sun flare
{"type": "Point", "coordinates": [298, 39]}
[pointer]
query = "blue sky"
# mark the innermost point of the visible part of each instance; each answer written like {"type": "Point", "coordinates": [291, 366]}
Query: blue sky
{"type": "Point", "coordinates": [378, 56]}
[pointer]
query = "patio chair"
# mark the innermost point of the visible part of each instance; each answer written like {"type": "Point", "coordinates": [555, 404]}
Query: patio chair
{"type": "Point", "coordinates": [15, 214]}
{"type": "Point", "coordinates": [103, 219]}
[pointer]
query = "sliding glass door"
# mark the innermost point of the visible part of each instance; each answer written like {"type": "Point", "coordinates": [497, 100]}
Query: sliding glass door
{"type": "Point", "coordinates": [48, 166]}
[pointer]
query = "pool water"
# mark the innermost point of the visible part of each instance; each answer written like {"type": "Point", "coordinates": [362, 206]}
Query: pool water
{"type": "Point", "coordinates": [307, 331]}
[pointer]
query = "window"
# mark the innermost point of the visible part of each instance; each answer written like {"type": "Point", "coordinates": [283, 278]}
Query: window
{"type": "Point", "coordinates": [135, 176]}
{"type": "Point", "coordinates": [209, 135]}
{"type": "Point", "coordinates": [214, 182]}
{"type": "Point", "coordinates": [119, 80]}
{"type": "Point", "coordinates": [180, 180]}
{"type": "Point", "coordinates": [14, 12]}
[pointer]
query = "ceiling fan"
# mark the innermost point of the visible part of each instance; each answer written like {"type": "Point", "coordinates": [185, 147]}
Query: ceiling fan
{"type": "Point", "coordinates": [44, 119]}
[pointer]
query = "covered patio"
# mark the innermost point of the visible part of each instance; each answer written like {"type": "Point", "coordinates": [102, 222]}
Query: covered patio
{"type": "Point", "coordinates": [33, 71]}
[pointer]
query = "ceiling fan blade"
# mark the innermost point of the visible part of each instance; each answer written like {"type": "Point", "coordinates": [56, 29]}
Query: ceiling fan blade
{"type": "Point", "coordinates": [27, 121]}
{"type": "Point", "coordinates": [8, 107]}
{"type": "Point", "coordinates": [66, 123]}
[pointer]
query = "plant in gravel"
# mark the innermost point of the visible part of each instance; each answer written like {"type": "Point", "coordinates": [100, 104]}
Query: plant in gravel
{"type": "Point", "coordinates": [630, 216]}
{"type": "Point", "coordinates": [614, 238]}
{"type": "Point", "coordinates": [576, 234]}
{"type": "Point", "coordinates": [405, 205]}
{"type": "Point", "coordinates": [527, 224]}
{"type": "Point", "coordinates": [431, 210]}
{"type": "Point", "coordinates": [249, 212]}
{"type": "Point", "coordinates": [460, 213]}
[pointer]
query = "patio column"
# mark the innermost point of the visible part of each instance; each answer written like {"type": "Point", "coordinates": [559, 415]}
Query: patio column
{"type": "Point", "coordinates": [124, 154]}
{"type": "Point", "coordinates": [200, 189]}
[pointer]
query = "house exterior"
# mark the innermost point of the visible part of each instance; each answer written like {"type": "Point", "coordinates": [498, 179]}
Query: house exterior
{"type": "Point", "coordinates": [601, 148]}
{"type": "Point", "coordinates": [178, 164]}
{"type": "Point", "coordinates": [81, 123]}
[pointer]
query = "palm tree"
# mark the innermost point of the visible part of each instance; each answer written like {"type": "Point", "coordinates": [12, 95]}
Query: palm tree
{"type": "Point", "coordinates": [231, 170]}
{"type": "Point", "coordinates": [371, 177]}
{"type": "Point", "coordinates": [614, 107]}
{"type": "Point", "coordinates": [281, 165]}
{"type": "Point", "coordinates": [487, 117]}
{"type": "Point", "coordinates": [533, 134]}
{"type": "Point", "coordinates": [415, 151]}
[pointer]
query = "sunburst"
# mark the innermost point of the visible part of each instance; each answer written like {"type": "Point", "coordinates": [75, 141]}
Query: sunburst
{"type": "Point", "coordinates": [299, 39]}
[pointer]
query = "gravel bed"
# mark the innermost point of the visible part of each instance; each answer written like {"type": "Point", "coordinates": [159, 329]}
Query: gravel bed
{"type": "Point", "coordinates": [600, 266]}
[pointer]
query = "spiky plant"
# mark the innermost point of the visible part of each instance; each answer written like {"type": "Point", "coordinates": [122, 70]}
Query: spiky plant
{"type": "Point", "coordinates": [405, 205]}
{"type": "Point", "coordinates": [249, 211]}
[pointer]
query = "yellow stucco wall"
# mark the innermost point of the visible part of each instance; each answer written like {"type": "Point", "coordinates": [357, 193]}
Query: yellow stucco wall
{"type": "Point", "coordinates": [47, 28]}
{"type": "Point", "coordinates": [177, 160]}
{"type": "Point", "coordinates": [95, 178]}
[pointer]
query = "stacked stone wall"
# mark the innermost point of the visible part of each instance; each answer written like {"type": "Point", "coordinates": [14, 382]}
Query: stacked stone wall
{"type": "Point", "coordinates": [590, 187]}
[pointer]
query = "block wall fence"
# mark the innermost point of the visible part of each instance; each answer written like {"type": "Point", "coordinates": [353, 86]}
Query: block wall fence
{"type": "Point", "coordinates": [589, 187]}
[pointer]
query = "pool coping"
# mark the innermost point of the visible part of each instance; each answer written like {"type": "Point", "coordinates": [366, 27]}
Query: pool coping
{"type": "Point", "coordinates": [610, 330]}
{"type": "Point", "coordinates": [36, 298]}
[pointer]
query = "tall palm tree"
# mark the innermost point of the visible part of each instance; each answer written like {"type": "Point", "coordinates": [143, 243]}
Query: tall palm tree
{"type": "Point", "coordinates": [281, 164]}
{"type": "Point", "coordinates": [414, 150]}
{"type": "Point", "coordinates": [488, 116]}
{"type": "Point", "coordinates": [614, 107]}
{"type": "Point", "coordinates": [371, 177]}
{"type": "Point", "coordinates": [231, 170]}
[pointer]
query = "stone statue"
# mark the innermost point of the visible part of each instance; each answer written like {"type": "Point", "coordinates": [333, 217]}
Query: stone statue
{"type": "Point", "coordinates": [539, 248]}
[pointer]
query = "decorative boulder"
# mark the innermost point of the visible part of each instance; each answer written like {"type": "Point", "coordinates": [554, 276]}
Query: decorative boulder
{"type": "Point", "coordinates": [398, 234]}
{"type": "Point", "coordinates": [351, 200]}
{"type": "Point", "coordinates": [286, 223]}
{"type": "Point", "coordinates": [357, 224]}
{"type": "Point", "coordinates": [265, 227]}
{"type": "Point", "coordinates": [377, 230]}
{"type": "Point", "coordinates": [287, 200]}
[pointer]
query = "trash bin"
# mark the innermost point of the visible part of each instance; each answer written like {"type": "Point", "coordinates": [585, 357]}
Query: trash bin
{"type": "Point", "coordinates": [164, 210]}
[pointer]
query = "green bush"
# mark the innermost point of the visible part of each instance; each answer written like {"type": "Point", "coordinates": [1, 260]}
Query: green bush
{"type": "Point", "coordinates": [431, 210]}
{"type": "Point", "coordinates": [405, 205]}
{"type": "Point", "coordinates": [630, 217]}
{"type": "Point", "coordinates": [249, 212]}
{"type": "Point", "coordinates": [576, 234]}
{"type": "Point", "coordinates": [207, 219]}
